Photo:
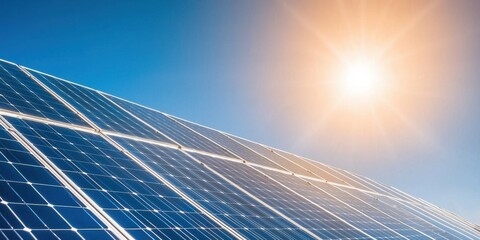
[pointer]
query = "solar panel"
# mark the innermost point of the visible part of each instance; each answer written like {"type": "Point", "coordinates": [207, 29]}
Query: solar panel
{"type": "Point", "coordinates": [76, 163]}
{"type": "Point", "coordinates": [180, 134]}
{"type": "Point", "coordinates": [137, 201]}
{"type": "Point", "coordinates": [230, 144]}
{"type": "Point", "coordinates": [267, 153]}
{"type": "Point", "coordinates": [20, 94]}
{"type": "Point", "coordinates": [323, 224]}
{"type": "Point", "coordinates": [99, 109]}
{"type": "Point", "coordinates": [242, 212]}
{"type": "Point", "coordinates": [34, 204]}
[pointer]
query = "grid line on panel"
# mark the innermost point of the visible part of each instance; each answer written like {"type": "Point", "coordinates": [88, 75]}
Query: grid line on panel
{"type": "Point", "coordinates": [175, 131]}
{"type": "Point", "coordinates": [100, 112]}
{"type": "Point", "coordinates": [60, 177]}
{"type": "Point", "coordinates": [242, 211]}
{"type": "Point", "coordinates": [20, 94]}
{"type": "Point", "coordinates": [145, 207]}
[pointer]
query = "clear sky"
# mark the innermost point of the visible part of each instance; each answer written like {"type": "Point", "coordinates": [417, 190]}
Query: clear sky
{"type": "Point", "coordinates": [268, 71]}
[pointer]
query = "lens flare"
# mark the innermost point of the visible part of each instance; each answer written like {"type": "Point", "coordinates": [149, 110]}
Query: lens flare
{"type": "Point", "coordinates": [361, 79]}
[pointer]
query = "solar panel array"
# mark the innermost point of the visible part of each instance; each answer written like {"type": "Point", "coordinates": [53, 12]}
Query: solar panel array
{"type": "Point", "coordinates": [76, 163]}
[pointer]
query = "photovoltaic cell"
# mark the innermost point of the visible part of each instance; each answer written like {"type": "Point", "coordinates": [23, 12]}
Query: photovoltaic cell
{"type": "Point", "coordinates": [231, 145]}
{"type": "Point", "coordinates": [98, 109]}
{"type": "Point", "coordinates": [238, 210]}
{"type": "Point", "coordinates": [310, 216]}
{"type": "Point", "coordinates": [265, 152]}
{"type": "Point", "coordinates": [35, 205]}
{"type": "Point", "coordinates": [20, 93]}
{"type": "Point", "coordinates": [311, 167]}
{"type": "Point", "coordinates": [180, 134]}
{"type": "Point", "coordinates": [134, 198]}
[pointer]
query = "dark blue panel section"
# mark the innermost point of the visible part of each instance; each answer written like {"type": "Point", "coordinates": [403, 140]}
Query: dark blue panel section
{"type": "Point", "coordinates": [230, 144]}
{"type": "Point", "coordinates": [98, 109]}
{"type": "Point", "coordinates": [20, 93]}
{"type": "Point", "coordinates": [318, 221]}
{"type": "Point", "coordinates": [133, 197]}
{"type": "Point", "coordinates": [174, 130]}
{"type": "Point", "coordinates": [35, 205]}
{"type": "Point", "coordinates": [237, 209]}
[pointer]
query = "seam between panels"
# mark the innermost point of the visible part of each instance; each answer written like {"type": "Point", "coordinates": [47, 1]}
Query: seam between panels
{"type": "Point", "coordinates": [67, 182]}
{"type": "Point", "coordinates": [137, 161]}
{"type": "Point", "coordinates": [310, 201]}
{"type": "Point", "coordinates": [253, 196]}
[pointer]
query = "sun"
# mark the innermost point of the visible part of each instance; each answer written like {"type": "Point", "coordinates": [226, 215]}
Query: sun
{"type": "Point", "coordinates": [361, 79]}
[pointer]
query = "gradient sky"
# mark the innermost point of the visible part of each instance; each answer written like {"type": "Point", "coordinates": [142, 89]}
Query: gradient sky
{"type": "Point", "coordinates": [263, 70]}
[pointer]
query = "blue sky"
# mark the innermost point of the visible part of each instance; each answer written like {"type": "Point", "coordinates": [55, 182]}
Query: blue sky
{"type": "Point", "coordinates": [246, 67]}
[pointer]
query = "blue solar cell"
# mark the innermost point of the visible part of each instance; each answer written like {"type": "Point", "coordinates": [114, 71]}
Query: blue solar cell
{"type": "Point", "coordinates": [238, 210]}
{"type": "Point", "coordinates": [20, 93]}
{"type": "Point", "coordinates": [180, 134]}
{"type": "Point", "coordinates": [36, 205]}
{"type": "Point", "coordinates": [310, 216]}
{"type": "Point", "coordinates": [134, 198]}
{"type": "Point", "coordinates": [98, 109]}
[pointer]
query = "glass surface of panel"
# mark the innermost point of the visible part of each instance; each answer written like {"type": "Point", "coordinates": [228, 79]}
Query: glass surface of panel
{"type": "Point", "coordinates": [130, 195]}
{"type": "Point", "coordinates": [105, 114]}
{"type": "Point", "coordinates": [231, 145]}
{"type": "Point", "coordinates": [264, 151]}
{"type": "Point", "coordinates": [20, 93]}
{"type": "Point", "coordinates": [450, 229]}
{"type": "Point", "coordinates": [34, 204]}
{"type": "Point", "coordinates": [180, 134]}
{"type": "Point", "coordinates": [355, 218]}
{"type": "Point", "coordinates": [225, 201]}
{"type": "Point", "coordinates": [313, 218]}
